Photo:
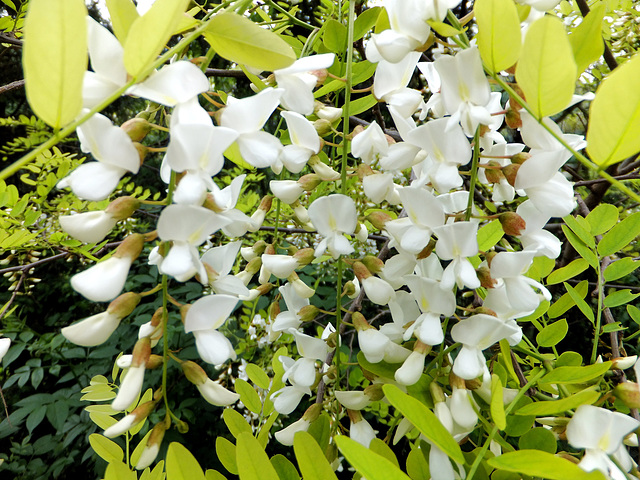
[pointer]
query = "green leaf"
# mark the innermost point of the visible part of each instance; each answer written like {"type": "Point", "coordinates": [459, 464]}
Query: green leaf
{"type": "Point", "coordinates": [424, 420]}
{"type": "Point", "coordinates": [582, 305]}
{"type": "Point", "coordinates": [576, 374]}
{"type": "Point", "coordinates": [320, 429]}
{"type": "Point", "coordinates": [119, 471]}
{"type": "Point", "coordinates": [417, 467]}
{"type": "Point", "coordinates": [575, 268]}
{"type": "Point", "coordinates": [239, 40]}
{"type": "Point", "coordinates": [257, 375]}
{"type": "Point", "coordinates": [335, 36]}
{"type": "Point", "coordinates": [634, 313]}
{"type": "Point", "coordinates": [538, 438]}
{"type": "Point", "coordinates": [123, 13]}
{"type": "Point", "coordinates": [620, 268]}
{"type": "Point", "coordinates": [253, 462]}
{"type": "Point", "coordinates": [367, 463]}
{"type": "Point", "coordinates": [621, 235]}
{"type": "Point", "coordinates": [263, 436]}
{"type": "Point", "coordinates": [235, 422]}
{"type": "Point", "coordinates": [181, 464]}
{"type": "Point", "coordinates": [546, 71]}
{"type": "Point", "coordinates": [248, 395]}
{"type": "Point", "coordinates": [213, 475]}
{"type": "Point", "coordinates": [584, 251]}
{"type": "Point", "coordinates": [619, 297]}
{"type": "Point", "coordinates": [602, 218]}
{"type": "Point", "coordinates": [382, 449]}
{"type": "Point", "coordinates": [365, 22]}
{"type": "Point", "coordinates": [311, 460]}
{"type": "Point", "coordinates": [362, 104]}
{"type": "Point", "coordinates": [586, 39]}
{"type": "Point", "coordinates": [553, 407]}
{"type": "Point", "coordinates": [497, 403]}
{"type": "Point", "coordinates": [381, 369]}
{"type": "Point", "coordinates": [149, 33]}
{"type": "Point", "coordinates": [553, 334]}
{"type": "Point", "coordinates": [565, 302]}
{"type": "Point", "coordinates": [106, 449]}
{"type": "Point", "coordinates": [489, 235]}
{"type": "Point", "coordinates": [226, 452]}
{"type": "Point", "coordinates": [614, 116]}
{"type": "Point", "coordinates": [444, 29]}
{"type": "Point", "coordinates": [54, 59]}
{"type": "Point", "coordinates": [233, 154]}
{"type": "Point", "coordinates": [536, 463]}
{"type": "Point", "coordinates": [499, 36]}
{"type": "Point", "coordinates": [580, 231]}
{"type": "Point", "coordinates": [285, 469]}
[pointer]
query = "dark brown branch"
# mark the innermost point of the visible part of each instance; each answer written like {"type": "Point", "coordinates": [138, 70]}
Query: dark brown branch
{"type": "Point", "coordinates": [582, 183]}
{"type": "Point", "coordinates": [4, 38]}
{"type": "Point", "coordinates": [221, 72]}
{"type": "Point", "coordinates": [11, 86]}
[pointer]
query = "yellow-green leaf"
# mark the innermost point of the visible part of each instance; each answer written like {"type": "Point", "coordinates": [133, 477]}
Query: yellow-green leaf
{"type": "Point", "coordinates": [424, 420]}
{"type": "Point", "coordinates": [137, 452]}
{"type": "Point", "coordinates": [311, 460]}
{"type": "Point", "coordinates": [149, 33]}
{"type": "Point", "coordinates": [499, 36]}
{"type": "Point", "coordinates": [536, 463]}
{"type": "Point", "coordinates": [614, 116]}
{"type": "Point", "coordinates": [553, 333]}
{"type": "Point", "coordinates": [248, 395]}
{"type": "Point", "coordinates": [444, 29]}
{"type": "Point", "coordinates": [239, 40]}
{"type": "Point", "coordinates": [552, 407]}
{"type": "Point", "coordinates": [586, 39]}
{"type": "Point", "coordinates": [253, 462]}
{"type": "Point", "coordinates": [497, 403]}
{"type": "Point", "coordinates": [546, 71]}
{"type": "Point", "coordinates": [119, 471]}
{"type": "Point", "coordinates": [576, 374]}
{"type": "Point", "coordinates": [106, 449]}
{"type": "Point", "coordinates": [226, 452]}
{"type": "Point", "coordinates": [575, 268]}
{"type": "Point", "coordinates": [123, 13]}
{"type": "Point", "coordinates": [367, 463]}
{"type": "Point", "coordinates": [181, 464]}
{"type": "Point", "coordinates": [54, 58]}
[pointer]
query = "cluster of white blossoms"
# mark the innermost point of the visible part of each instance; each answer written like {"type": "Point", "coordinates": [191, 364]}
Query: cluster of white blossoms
{"type": "Point", "coordinates": [434, 242]}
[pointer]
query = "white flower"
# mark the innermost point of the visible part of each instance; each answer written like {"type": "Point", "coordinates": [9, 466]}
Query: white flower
{"type": "Point", "coordinates": [216, 394]}
{"type": "Point", "coordinates": [361, 431]}
{"type": "Point", "coordinates": [286, 435]}
{"type": "Point", "coordinates": [104, 281]}
{"type": "Point", "coordinates": [298, 83]}
{"type": "Point", "coordinates": [332, 216]}
{"type": "Point", "coordinates": [130, 388]}
{"type": "Point", "coordinates": [93, 330]}
{"type": "Point", "coordinates": [88, 227]}
{"type": "Point", "coordinates": [5, 343]}
{"type": "Point", "coordinates": [411, 370]}
{"type": "Point", "coordinates": [218, 262]}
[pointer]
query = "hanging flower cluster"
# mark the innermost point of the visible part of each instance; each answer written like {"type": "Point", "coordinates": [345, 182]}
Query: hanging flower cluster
{"type": "Point", "coordinates": [446, 142]}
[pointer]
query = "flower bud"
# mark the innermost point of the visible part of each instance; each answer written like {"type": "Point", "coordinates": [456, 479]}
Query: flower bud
{"type": "Point", "coordinates": [512, 223]}
{"type": "Point", "coordinates": [131, 247]}
{"type": "Point", "coordinates": [359, 321]}
{"type": "Point", "coordinates": [151, 449]}
{"type": "Point", "coordinates": [373, 264]}
{"type": "Point", "coordinates": [360, 271]}
{"type": "Point", "coordinates": [155, 361]}
{"type": "Point", "coordinates": [520, 158]}
{"type": "Point", "coordinates": [141, 352]}
{"type": "Point", "coordinates": [142, 151]}
{"type": "Point", "coordinates": [512, 118]}
{"type": "Point", "coordinates": [194, 372]}
{"type": "Point", "coordinates": [123, 207]}
{"type": "Point", "coordinates": [265, 203]}
{"type": "Point", "coordinates": [628, 393]}
{"type": "Point", "coordinates": [308, 313]}
{"type": "Point", "coordinates": [274, 310]}
{"type": "Point", "coordinates": [254, 266]}
{"type": "Point", "coordinates": [484, 275]}
{"type": "Point", "coordinates": [622, 363]}
{"type": "Point", "coordinates": [331, 114]}
{"type": "Point", "coordinates": [494, 175]}
{"type": "Point", "coordinates": [124, 304]}
{"type": "Point", "coordinates": [301, 215]}
{"type": "Point", "coordinates": [301, 288]}
{"type": "Point", "coordinates": [378, 219]}
{"type": "Point", "coordinates": [309, 182]}
{"type": "Point", "coordinates": [323, 127]}
{"type": "Point", "coordinates": [374, 392]}
{"type": "Point", "coordinates": [137, 128]}
{"type": "Point", "coordinates": [324, 171]}
{"type": "Point", "coordinates": [510, 172]}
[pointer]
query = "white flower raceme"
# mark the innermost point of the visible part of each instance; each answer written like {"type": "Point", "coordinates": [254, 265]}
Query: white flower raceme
{"type": "Point", "coordinates": [115, 154]}
{"type": "Point", "coordinates": [97, 329]}
{"type": "Point", "coordinates": [370, 144]}
{"type": "Point", "coordinates": [105, 280]}
{"type": "Point", "coordinates": [187, 226]}
{"type": "Point", "coordinates": [390, 84]}
{"type": "Point", "coordinates": [433, 301]}
{"type": "Point", "coordinates": [290, 317]}
{"type": "Point", "coordinates": [600, 432]}
{"type": "Point", "coordinates": [411, 370]}
{"type": "Point", "coordinates": [333, 216]}
{"type": "Point", "coordinates": [298, 82]}
{"type": "Point", "coordinates": [247, 117]}
{"type": "Point", "coordinates": [203, 319]}
{"type": "Point", "coordinates": [131, 384]}
{"type": "Point", "coordinates": [304, 142]}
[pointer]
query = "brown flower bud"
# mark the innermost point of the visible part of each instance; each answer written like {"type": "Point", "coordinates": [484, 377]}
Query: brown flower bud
{"type": "Point", "coordinates": [510, 172]}
{"type": "Point", "coordinates": [373, 264]}
{"type": "Point", "coordinates": [123, 207]}
{"type": "Point", "coordinates": [520, 158]}
{"type": "Point", "coordinates": [131, 247]}
{"type": "Point", "coordinates": [124, 304]}
{"type": "Point", "coordinates": [378, 219]}
{"type": "Point", "coordinates": [309, 182]}
{"type": "Point", "coordinates": [628, 393]}
{"type": "Point", "coordinates": [484, 275]}
{"type": "Point", "coordinates": [308, 313]}
{"type": "Point", "coordinates": [512, 118]}
{"type": "Point", "coordinates": [493, 175]}
{"type": "Point", "coordinates": [512, 223]}
{"type": "Point", "coordinates": [360, 270]}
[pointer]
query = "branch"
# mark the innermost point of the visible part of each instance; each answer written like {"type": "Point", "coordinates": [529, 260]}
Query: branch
{"type": "Point", "coordinates": [377, 238]}
{"type": "Point", "coordinates": [11, 86]}
{"type": "Point", "coordinates": [221, 72]}
{"type": "Point", "coordinates": [4, 38]}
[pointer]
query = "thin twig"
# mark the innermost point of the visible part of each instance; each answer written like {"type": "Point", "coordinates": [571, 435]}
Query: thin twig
{"type": "Point", "coordinates": [11, 86]}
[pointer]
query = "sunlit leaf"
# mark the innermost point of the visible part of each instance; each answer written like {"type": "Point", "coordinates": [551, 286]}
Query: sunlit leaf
{"type": "Point", "coordinates": [499, 36]}
{"type": "Point", "coordinates": [123, 13]}
{"type": "Point", "coordinates": [586, 39]}
{"type": "Point", "coordinates": [369, 464]}
{"type": "Point", "coordinates": [181, 464]}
